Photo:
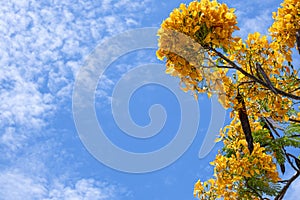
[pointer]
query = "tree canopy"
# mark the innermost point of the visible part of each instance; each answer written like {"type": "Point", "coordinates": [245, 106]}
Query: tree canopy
{"type": "Point", "coordinates": [255, 79]}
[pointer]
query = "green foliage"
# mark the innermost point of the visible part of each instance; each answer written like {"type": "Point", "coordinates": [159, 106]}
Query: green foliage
{"type": "Point", "coordinates": [263, 187]}
{"type": "Point", "coordinates": [292, 129]}
{"type": "Point", "coordinates": [291, 137]}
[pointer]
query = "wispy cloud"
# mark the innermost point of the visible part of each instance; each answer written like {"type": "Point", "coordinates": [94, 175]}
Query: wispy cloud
{"type": "Point", "coordinates": [254, 15]}
{"type": "Point", "coordinates": [43, 44]}
{"type": "Point", "coordinates": [23, 108]}
{"type": "Point", "coordinates": [82, 189]}
{"type": "Point", "coordinates": [258, 23]}
{"type": "Point", "coordinates": [18, 186]}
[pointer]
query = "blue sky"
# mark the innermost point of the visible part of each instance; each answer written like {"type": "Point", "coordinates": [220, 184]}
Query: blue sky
{"type": "Point", "coordinates": [44, 45]}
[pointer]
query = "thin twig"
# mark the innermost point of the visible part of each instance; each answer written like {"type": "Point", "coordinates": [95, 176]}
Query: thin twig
{"type": "Point", "coordinates": [285, 188]}
{"type": "Point", "coordinates": [218, 66]}
{"type": "Point", "coordinates": [289, 160]}
{"type": "Point", "coordinates": [283, 181]}
{"type": "Point", "coordinates": [235, 66]}
{"type": "Point", "coordinates": [253, 190]}
{"type": "Point", "coordinates": [295, 90]}
{"type": "Point", "coordinates": [294, 120]}
{"type": "Point", "coordinates": [224, 66]}
{"type": "Point", "coordinates": [271, 125]}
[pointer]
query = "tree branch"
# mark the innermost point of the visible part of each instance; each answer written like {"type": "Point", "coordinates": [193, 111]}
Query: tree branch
{"type": "Point", "coordinates": [285, 188]}
{"type": "Point", "coordinates": [235, 66]}
{"type": "Point", "coordinates": [296, 161]}
{"type": "Point", "coordinates": [224, 66]}
{"type": "Point", "coordinates": [295, 90]}
{"type": "Point", "coordinates": [294, 120]}
{"type": "Point", "coordinates": [218, 66]}
{"type": "Point", "coordinates": [289, 160]}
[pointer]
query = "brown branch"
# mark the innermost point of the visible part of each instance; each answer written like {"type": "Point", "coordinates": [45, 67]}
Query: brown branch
{"type": "Point", "coordinates": [235, 66]}
{"type": "Point", "coordinates": [294, 120]}
{"type": "Point", "coordinates": [245, 82]}
{"type": "Point", "coordinates": [297, 135]}
{"type": "Point", "coordinates": [289, 160]}
{"type": "Point", "coordinates": [218, 66]}
{"type": "Point", "coordinates": [283, 181]}
{"type": "Point", "coordinates": [224, 66]}
{"type": "Point", "coordinates": [295, 90]}
{"type": "Point", "coordinates": [285, 188]}
{"type": "Point", "coordinates": [296, 161]}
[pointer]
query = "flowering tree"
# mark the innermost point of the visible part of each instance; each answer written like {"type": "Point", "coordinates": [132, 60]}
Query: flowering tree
{"type": "Point", "coordinates": [255, 79]}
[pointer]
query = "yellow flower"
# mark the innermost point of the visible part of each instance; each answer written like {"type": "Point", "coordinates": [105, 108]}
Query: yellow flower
{"type": "Point", "coordinates": [204, 23]}
{"type": "Point", "coordinates": [229, 16]}
{"type": "Point", "coordinates": [286, 23]}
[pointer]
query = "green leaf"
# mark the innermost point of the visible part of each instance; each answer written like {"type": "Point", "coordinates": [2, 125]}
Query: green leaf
{"type": "Point", "coordinates": [293, 128]}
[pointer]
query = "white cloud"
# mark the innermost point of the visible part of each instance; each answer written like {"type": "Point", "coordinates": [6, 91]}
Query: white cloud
{"type": "Point", "coordinates": [87, 189]}
{"type": "Point", "coordinates": [127, 6]}
{"type": "Point", "coordinates": [23, 108]}
{"type": "Point", "coordinates": [11, 141]}
{"type": "Point", "coordinates": [251, 17]}
{"type": "Point", "coordinates": [43, 44]}
{"type": "Point", "coordinates": [18, 186]}
{"type": "Point", "coordinates": [259, 23]}
{"type": "Point", "coordinates": [15, 185]}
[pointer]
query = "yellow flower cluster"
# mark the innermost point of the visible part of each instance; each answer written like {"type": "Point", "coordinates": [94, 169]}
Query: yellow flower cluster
{"type": "Point", "coordinates": [184, 57]}
{"type": "Point", "coordinates": [258, 50]}
{"type": "Point", "coordinates": [205, 21]}
{"type": "Point", "coordinates": [233, 169]}
{"type": "Point", "coordinates": [286, 23]}
{"type": "Point", "coordinates": [183, 35]}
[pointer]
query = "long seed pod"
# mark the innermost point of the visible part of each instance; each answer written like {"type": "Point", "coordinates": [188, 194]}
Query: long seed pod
{"type": "Point", "coordinates": [245, 122]}
{"type": "Point", "coordinates": [267, 80]}
{"type": "Point", "coordinates": [298, 40]}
